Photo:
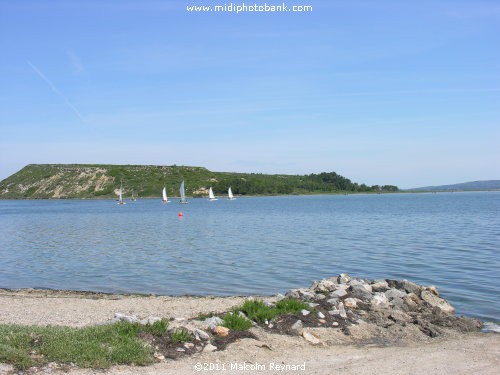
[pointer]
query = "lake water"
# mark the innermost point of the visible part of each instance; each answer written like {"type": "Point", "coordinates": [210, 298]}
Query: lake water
{"type": "Point", "coordinates": [258, 245]}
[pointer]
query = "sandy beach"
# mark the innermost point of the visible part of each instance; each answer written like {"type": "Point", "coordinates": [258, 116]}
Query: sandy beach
{"type": "Point", "coordinates": [357, 353]}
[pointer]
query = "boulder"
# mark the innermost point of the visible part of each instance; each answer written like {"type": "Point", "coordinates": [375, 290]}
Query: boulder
{"type": "Point", "coordinates": [395, 293]}
{"type": "Point", "coordinates": [397, 302]}
{"type": "Point", "coordinates": [338, 293]}
{"type": "Point", "coordinates": [379, 301]}
{"type": "Point", "coordinates": [436, 301]}
{"type": "Point", "coordinates": [379, 286]}
{"type": "Point", "coordinates": [360, 292]}
{"type": "Point", "coordinates": [324, 286]}
{"type": "Point", "coordinates": [409, 287]}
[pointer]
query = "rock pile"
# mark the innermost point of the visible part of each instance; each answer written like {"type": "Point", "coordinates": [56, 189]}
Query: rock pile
{"type": "Point", "coordinates": [344, 301]}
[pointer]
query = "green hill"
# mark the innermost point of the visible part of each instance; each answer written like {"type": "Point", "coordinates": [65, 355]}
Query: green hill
{"type": "Point", "coordinates": [103, 181]}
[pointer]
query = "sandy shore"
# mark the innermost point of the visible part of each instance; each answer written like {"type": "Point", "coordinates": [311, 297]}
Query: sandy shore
{"type": "Point", "coordinates": [476, 353]}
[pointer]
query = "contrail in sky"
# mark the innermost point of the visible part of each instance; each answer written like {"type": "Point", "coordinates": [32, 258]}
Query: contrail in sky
{"type": "Point", "coordinates": [56, 90]}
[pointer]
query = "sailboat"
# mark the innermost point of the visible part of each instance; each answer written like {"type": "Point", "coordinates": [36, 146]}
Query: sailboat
{"type": "Point", "coordinates": [133, 199]}
{"type": "Point", "coordinates": [120, 198]}
{"type": "Point", "coordinates": [164, 196]}
{"type": "Point", "coordinates": [211, 196]}
{"type": "Point", "coordinates": [230, 195]}
{"type": "Point", "coordinates": [183, 196]}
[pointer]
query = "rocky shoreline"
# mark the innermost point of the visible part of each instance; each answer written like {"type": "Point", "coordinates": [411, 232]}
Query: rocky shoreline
{"type": "Point", "coordinates": [338, 310]}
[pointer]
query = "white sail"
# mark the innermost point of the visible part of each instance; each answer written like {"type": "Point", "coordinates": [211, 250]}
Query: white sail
{"type": "Point", "coordinates": [211, 196]}
{"type": "Point", "coordinates": [120, 195]}
{"type": "Point", "coordinates": [230, 195]}
{"type": "Point", "coordinates": [183, 196]}
{"type": "Point", "coordinates": [164, 194]}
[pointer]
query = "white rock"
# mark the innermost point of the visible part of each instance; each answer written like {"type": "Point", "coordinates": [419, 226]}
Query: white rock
{"type": "Point", "coordinates": [335, 324]}
{"type": "Point", "coordinates": [380, 301]}
{"type": "Point", "coordinates": [297, 327]}
{"type": "Point", "coordinates": [321, 315]}
{"type": "Point", "coordinates": [180, 349]}
{"type": "Point", "coordinates": [305, 312]}
{"type": "Point", "coordinates": [311, 337]}
{"type": "Point", "coordinates": [201, 334]}
{"type": "Point", "coordinates": [436, 301]}
{"type": "Point", "coordinates": [380, 286]}
{"type": "Point", "coordinates": [338, 293]}
{"type": "Point", "coordinates": [213, 322]}
{"type": "Point", "coordinates": [342, 311]}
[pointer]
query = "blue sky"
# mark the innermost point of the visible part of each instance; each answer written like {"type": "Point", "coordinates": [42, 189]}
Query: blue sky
{"type": "Point", "coordinates": [382, 92]}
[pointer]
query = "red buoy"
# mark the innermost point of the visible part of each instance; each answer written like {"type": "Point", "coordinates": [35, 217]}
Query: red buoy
{"type": "Point", "coordinates": [180, 214]}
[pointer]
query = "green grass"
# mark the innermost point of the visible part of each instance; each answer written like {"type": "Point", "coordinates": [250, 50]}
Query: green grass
{"type": "Point", "coordinates": [157, 328]}
{"type": "Point", "coordinates": [291, 306]}
{"type": "Point", "coordinates": [96, 347]}
{"type": "Point", "coordinates": [236, 322]}
{"type": "Point", "coordinates": [258, 311]}
{"type": "Point", "coordinates": [180, 335]}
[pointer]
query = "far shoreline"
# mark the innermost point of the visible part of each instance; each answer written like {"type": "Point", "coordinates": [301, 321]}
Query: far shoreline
{"type": "Point", "coordinates": [174, 199]}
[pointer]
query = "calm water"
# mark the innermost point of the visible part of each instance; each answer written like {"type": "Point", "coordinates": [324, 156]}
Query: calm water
{"type": "Point", "coordinates": [257, 245]}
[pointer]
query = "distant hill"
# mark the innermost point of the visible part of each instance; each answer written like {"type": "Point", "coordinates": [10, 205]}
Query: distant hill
{"type": "Point", "coordinates": [472, 185]}
{"type": "Point", "coordinates": [103, 181]}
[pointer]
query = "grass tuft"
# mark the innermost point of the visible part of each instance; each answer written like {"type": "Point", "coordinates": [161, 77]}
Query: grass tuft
{"type": "Point", "coordinates": [180, 335]}
{"type": "Point", "coordinates": [257, 310]}
{"type": "Point", "coordinates": [291, 306]}
{"type": "Point", "coordinates": [236, 322]}
{"type": "Point", "coordinates": [157, 328]}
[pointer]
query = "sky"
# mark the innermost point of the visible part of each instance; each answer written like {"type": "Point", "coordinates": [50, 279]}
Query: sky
{"type": "Point", "coordinates": [382, 92]}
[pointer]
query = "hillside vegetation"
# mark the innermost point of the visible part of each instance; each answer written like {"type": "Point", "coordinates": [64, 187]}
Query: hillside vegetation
{"type": "Point", "coordinates": [103, 181]}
